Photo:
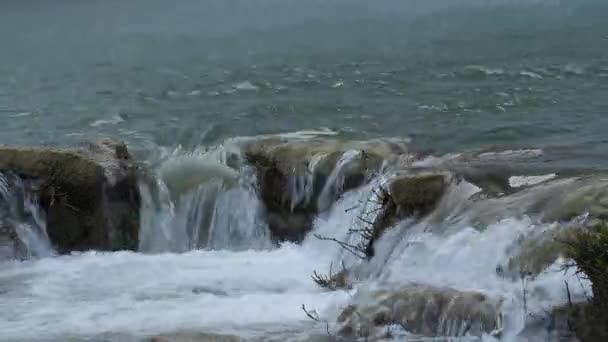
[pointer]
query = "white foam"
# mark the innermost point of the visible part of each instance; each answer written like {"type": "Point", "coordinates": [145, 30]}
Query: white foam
{"type": "Point", "coordinates": [22, 115]}
{"type": "Point", "coordinates": [93, 293]}
{"type": "Point", "coordinates": [531, 74]}
{"type": "Point", "coordinates": [246, 86]}
{"type": "Point", "coordinates": [245, 286]}
{"type": "Point", "coordinates": [519, 181]}
{"type": "Point", "coordinates": [484, 70]}
{"type": "Point", "coordinates": [114, 120]}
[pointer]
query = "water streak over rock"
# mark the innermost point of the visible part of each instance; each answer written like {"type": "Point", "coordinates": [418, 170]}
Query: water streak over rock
{"type": "Point", "coordinates": [422, 310]}
{"type": "Point", "coordinates": [89, 194]}
{"type": "Point", "coordinates": [299, 179]}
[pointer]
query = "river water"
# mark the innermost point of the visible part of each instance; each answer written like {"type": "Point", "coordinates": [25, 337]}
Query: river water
{"type": "Point", "coordinates": [447, 76]}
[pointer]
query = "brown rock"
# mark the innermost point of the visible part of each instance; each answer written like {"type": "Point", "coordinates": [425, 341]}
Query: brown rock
{"type": "Point", "coordinates": [285, 169]}
{"type": "Point", "coordinates": [89, 194]}
{"type": "Point", "coordinates": [422, 310]}
{"type": "Point", "coordinates": [408, 195]}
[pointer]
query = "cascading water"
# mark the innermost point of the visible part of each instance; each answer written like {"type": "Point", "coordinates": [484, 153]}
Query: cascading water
{"type": "Point", "coordinates": [22, 220]}
{"type": "Point", "coordinates": [208, 264]}
{"type": "Point", "coordinates": [214, 208]}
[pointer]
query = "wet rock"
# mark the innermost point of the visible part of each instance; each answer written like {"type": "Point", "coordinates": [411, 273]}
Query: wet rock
{"type": "Point", "coordinates": [10, 245]}
{"type": "Point", "coordinates": [421, 310]}
{"type": "Point", "coordinates": [299, 179]}
{"type": "Point", "coordinates": [89, 194]}
{"type": "Point", "coordinates": [584, 195]}
{"type": "Point", "coordinates": [536, 252]}
{"type": "Point", "coordinates": [412, 194]}
{"type": "Point", "coordinates": [557, 325]}
{"type": "Point", "coordinates": [417, 194]}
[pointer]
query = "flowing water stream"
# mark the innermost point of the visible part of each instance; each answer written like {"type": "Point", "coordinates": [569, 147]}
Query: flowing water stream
{"type": "Point", "coordinates": [206, 263]}
{"type": "Point", "coordinates": [523, 81]}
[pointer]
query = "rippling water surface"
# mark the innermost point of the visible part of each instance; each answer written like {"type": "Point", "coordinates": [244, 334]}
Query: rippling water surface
{"type": "Point", "coordinates": [449, 76]}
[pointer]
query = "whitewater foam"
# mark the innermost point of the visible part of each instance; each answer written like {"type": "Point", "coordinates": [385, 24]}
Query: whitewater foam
{"type": "Point", "coordinates": [208, 263]}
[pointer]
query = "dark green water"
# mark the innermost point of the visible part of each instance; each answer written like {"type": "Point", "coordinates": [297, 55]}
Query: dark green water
{"type": "Point", "coordinates": [450, 75]}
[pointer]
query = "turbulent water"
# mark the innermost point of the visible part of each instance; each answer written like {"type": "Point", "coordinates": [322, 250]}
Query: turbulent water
{"type": "Point", "coordinates": [185, 83]}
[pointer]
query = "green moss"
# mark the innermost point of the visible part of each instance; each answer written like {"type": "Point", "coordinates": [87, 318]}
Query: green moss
{"type": "Point", "coordinates": [89, 195]}
{"type": "Point", "coordinates": [589, 249]}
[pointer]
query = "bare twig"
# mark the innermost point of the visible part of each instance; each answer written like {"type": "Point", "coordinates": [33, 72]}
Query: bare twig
{"type": "Point", "coordinates": [354, 250]}
{"type": "Point", "coordinates": [311, 314]}
{"type": "Point", "coordinates": [314, 315]}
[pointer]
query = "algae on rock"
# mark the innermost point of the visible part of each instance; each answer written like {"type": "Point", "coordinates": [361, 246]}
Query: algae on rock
{"type": "Point", "coordinates": [299, 179]}
{"type": "Point", "coordinates": [423, 310]}
{"type": "Point", "coordinates": [89, 194]}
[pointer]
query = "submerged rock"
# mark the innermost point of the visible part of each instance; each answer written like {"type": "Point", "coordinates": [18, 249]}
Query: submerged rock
{"type": "Point", "coordinates": [426, 311]}
{"type": "Point", "coordinates": [89, 194]}
{"type": "Point", "coordinates": [299, 179]}
{"type": "Point", "coordinates": [184, 173]}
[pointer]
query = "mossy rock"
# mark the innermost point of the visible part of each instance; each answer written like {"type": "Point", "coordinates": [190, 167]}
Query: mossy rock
{"type": "Point", "coordinates": [413, 194]}
{"type": "Point", "coordinates": [285, 168]}
{"type": "Point", "coordinates": [89, 194]}
{"type": "Point", "coordinates": [422, 310]}
{"type": "Point", "coordinates": [537, 251]}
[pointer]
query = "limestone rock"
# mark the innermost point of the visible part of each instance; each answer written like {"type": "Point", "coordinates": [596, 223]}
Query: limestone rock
{"type": "Point", "coordinates": [535, 252]}
{"type": "Point", "coordinates": [412, 194]}
{"type": "Point", "coordinates": [299, 179]}
{"type": "Point", "coordinates": [89, 194]}
{"type": "Point", "coordinates": [10, 245]}
{"type": "Point", "coordinates": [426, 311]}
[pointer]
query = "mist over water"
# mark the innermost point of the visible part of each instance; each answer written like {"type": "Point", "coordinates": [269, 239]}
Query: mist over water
{"type": "Point", "coordinates": [185, 84]}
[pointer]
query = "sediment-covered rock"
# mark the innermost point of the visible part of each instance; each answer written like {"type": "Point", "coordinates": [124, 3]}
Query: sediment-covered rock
{"type": "Point", "coordinates": [537, 251]}
{"type": "Point", "coordinates": [422, 310]}
{"type": "Point", "coordinates": [583, 195]}
{"type": "Point", "coordinates": [89, 194]}
{"type": "Point", "coordinates": [10, 245]}
{"type": "Point", "coordinates": [410, 194]}
{"type": "Point", "coordinates": [556, 325]}
{"type": "Point", "coordinates": [299, 179]}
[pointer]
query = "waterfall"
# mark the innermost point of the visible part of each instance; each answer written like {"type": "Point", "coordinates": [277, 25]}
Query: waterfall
{"type": "Point", "coordinates": [205, 247]}
{"type": "Point", "coordinates": [22, 221]}
{"type": "Point", "coordinates": [213, 212]}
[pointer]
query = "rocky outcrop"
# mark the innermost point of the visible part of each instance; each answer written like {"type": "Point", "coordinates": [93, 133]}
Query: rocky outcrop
{"type": "Point", "coordinates": [583, 195]}
{"type": "Point", "coordinates": [589, 250]}
{"type": "Point", "coordinates": [534, 253]}
{"type": "Point", "coordinates": [89, 194]}
{"type": "Point", "coordinates": [411, 194]}
{"type": "Point", "coordinates": [426, 311]}
{"type": "Point", "coordinates": [299, 179]}
{"type": "Point", "coordinates": [11, 246]}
